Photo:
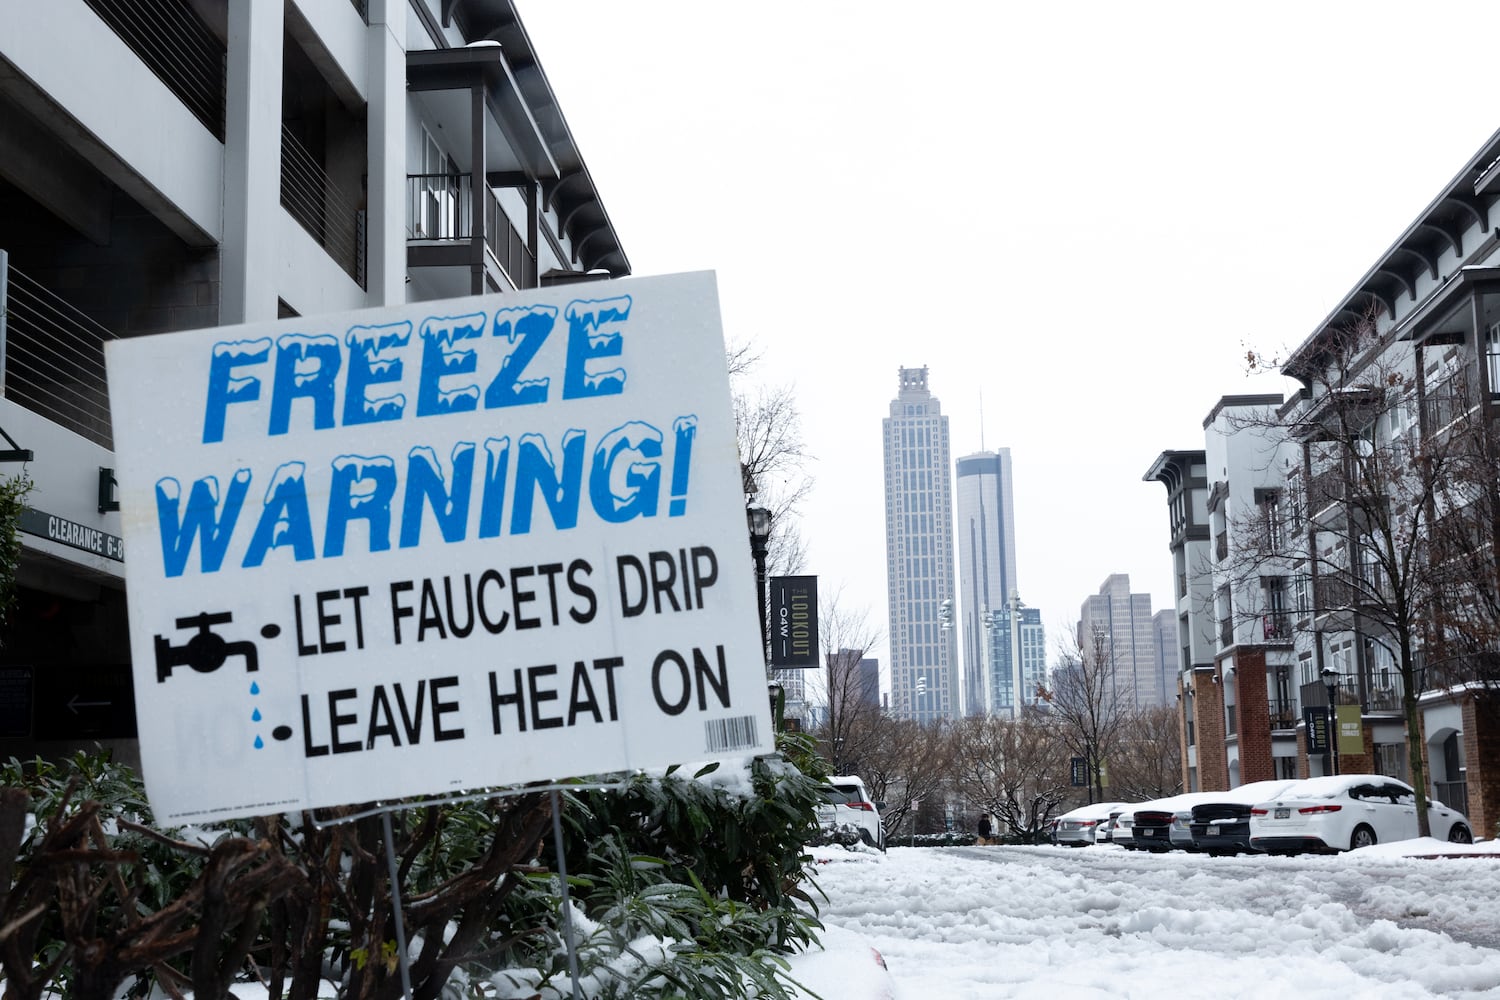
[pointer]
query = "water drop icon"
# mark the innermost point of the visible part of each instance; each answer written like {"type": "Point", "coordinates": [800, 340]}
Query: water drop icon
{"type": "Point", "coordinates": [259, 743]}
{"type": "Point", "coordinates": [255, 715]}
{"type": "Point", "coordinates": [254, 688]}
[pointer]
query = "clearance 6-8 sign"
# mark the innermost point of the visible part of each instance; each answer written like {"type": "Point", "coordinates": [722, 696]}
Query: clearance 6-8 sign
{"type": "Point", "coordinates": [435, 547]}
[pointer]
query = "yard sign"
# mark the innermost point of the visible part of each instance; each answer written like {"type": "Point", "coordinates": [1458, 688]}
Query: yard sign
{"type": "Point", "coordinates": [435, 547]}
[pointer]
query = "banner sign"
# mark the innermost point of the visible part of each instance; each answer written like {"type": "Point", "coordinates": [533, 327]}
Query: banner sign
{"type": "Point", "coordinates": [435, 547]}
{"type": "Point", "coordinates": [794, 621]}
{"type": "Point", "coordinates": [1079, 772]}
{"type": "Point", "coordinates": [1351, 730]}
{"type": "Point", "coordinates": [1315, 719]}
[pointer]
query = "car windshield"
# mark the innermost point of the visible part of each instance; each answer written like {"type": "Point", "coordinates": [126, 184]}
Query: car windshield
{"type": "Point", "coordinates": [842, 794]}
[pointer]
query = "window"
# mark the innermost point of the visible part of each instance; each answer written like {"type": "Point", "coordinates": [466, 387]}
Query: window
{"type": "Point", "coordinates": [439, 192]}
{"type": "Point", "coordinates": [1274, 622]}
{"type": "Point", "coordinates": [1390, 760]}
{"type": "Point", "coordinates": [1492, 356]}
{"type": "Point", "coordinates": [1272, 519]}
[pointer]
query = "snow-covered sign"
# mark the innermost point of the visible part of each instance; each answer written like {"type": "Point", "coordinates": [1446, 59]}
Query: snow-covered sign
{"type": "Point", "coordinates": [435, 547]}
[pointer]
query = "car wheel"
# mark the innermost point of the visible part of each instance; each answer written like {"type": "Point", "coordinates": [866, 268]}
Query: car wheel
{"type": "Point", "coordinates": [1460, 835]}
{"type": "Point", "coordinates": [869, 841]}
{"type": "Point", "coordinates": [1363, 837]}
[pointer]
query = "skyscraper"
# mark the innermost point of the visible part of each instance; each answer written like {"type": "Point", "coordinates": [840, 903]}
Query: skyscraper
{"type": "Point", "coordinates": [986, 566]}
{"type": "Point", "coordinates": [923, 632]}
{"type": "Point", "coordinates": [1127, 620]}
{"type": "Point", "coordinates": [1030, 644]}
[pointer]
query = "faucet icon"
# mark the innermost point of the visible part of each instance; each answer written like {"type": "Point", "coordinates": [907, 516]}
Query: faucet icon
{"type": "Point", "coordinates": [205, 651]}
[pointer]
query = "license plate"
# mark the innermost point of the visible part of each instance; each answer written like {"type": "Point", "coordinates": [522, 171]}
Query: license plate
{"type": "Point", "coordinates": [1282, 813]}
{"type": "Point", "coordinates": [1212, 831]}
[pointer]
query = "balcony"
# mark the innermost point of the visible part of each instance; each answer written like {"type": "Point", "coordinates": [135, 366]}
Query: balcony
{"type": "Point", "coordinates": [52, 358]}
{"type": "Point", "coordinates": [1382, 692]}
{"type": "Point", "coordinates": [328, 213]}
{"type": "Point", "coordinates": [178, 47]}
{"type": "Point", "coordinates": [1283, 713]}
{"type": "Point", "coordinates": [439, 208]}
{"type": "Point", "coordinates": [1334, 592]}
{"type": "Point", "coordinates": [1276, 626]}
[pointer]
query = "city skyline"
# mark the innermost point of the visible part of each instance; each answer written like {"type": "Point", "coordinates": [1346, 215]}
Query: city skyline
{"type": "Point", "coordinates": [1280, 145]}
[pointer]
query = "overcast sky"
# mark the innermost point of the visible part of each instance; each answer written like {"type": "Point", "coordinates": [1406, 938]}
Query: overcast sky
{"type": "Point", "coordinates": [1081, 214]}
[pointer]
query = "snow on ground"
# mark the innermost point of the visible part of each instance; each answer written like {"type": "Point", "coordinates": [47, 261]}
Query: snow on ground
{"type": "Point", "coordinates": [1055, 923]}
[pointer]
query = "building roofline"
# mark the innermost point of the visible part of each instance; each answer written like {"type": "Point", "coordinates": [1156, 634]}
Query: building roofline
{"type": "Point", "coordinates": [1464, 199]}
{"type": "Point", "coordinates": [1235, 402]}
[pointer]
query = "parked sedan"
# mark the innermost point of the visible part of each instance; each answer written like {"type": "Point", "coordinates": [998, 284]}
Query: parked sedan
{"type": "Point", "coordinates": [1220, 822]}
{"type": "Point", "coordinates": [1120, 827]}
{"type": "Point", "coordinates": [1162, 824]}
{"type": "Point", "coordinates": [1081, 826]}
{"type": "Point", "coordinates": [1347, 812]}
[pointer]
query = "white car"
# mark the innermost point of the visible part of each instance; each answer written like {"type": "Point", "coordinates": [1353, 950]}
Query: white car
{"type": "Point", "coordinates": [848, 811]}
{"type": "Point", "coordinates": [1120, 829]}
{"type": "Point", "coordinates": [1162, 824]}
{"type": "Point", "coordinates": [1082, 825]}
{"type": "Point", "coordinates": [1346, 812]}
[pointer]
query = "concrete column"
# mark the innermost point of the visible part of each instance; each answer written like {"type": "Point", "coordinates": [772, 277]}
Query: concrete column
{"type": "Point", "coordinates": [252, 162]}
{"type": "Point", "coordinates": [479, 189]}
{"type": "Point", "coordinates": [386, 117]}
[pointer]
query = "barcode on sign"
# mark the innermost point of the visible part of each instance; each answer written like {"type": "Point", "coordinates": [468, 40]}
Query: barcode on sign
{"type": "Point", "coordinates": [729, 734]}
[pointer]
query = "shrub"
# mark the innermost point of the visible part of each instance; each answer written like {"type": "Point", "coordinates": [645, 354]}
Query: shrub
{"type": "Point", "coordinates": [681, 885]}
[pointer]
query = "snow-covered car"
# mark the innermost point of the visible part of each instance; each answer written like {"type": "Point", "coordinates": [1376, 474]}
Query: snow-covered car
{"type": "Point", "coordinates": [843, 964]}
{"type": "Point", "coordinates": [848, 812]}
{"type": "Point", "coordinates": [1220, 822]}
{"type": "Point", "coordinates": [1081, 826]}
{"type": "Point", "coordinates": [1346, 812]}
{"type": "Point", "coordinates": [1120, 827]}
{"type": "Point", "coordinates": [1162, 824]}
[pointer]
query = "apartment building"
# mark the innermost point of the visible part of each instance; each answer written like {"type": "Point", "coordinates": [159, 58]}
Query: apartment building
{"type": "Point", "coordinates": [176, 165]}
{"type": "Point", "coordinates": [1366, 545]}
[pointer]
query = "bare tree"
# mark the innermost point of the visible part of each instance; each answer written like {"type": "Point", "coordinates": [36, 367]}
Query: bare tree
{"type": "Point", "coordinates": [854, 717]}
{"type": "Point", "coordinates": [773, 462]}
{"type": "Point", "coordinates": [907, 769]}
{"type": "Point", "coordinates": [1014, 769]}
{"type": "Point", "coordinates": [1147, 763]}
{"type": "Point", "coordinates": [1082, 700]}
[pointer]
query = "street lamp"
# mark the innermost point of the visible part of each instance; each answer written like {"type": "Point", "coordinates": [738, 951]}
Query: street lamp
{"type": "Point", "coordinates": [759, 521]}
{"type": "Point", "coordinates": [987, 619]}
{"type": "Point", "coordinates": [1015, 649]}
{"type": "Point", "coordinates": [1331, 682]}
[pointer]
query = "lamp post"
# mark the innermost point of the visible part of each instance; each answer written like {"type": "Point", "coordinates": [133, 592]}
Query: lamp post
{"type": "Point", "coordinates": [1331, 682]}
{"type": "Point", "coordinates": [759, 521]}
{"type": "Point", "coordinates": [1015, 649]}
{"type": "Point", "coordinates": [950, 646]}
{"type": "Point", "coordinates": [987, 695]}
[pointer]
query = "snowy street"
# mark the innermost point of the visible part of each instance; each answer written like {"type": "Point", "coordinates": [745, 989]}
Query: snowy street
{"type": "Point", "coordinates": [1054, 923]}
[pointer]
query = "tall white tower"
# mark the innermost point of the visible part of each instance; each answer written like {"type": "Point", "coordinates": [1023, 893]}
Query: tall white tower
{"type": "Point", "coordinates": [986, 564]}
{"type": "Point", "coordinates": [923, 632]}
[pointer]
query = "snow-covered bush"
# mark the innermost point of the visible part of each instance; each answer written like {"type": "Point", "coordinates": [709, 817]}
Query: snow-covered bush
{"type": "Point", "coordinates": [684, 883]}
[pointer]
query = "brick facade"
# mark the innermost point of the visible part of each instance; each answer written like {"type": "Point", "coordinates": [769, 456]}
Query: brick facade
{"type": "Point", "coordinates": [1482, 762]}
{"type": "Point", "coordinates": [1254, 707]}
{"type": "Point", "coordinates": [1208, 718]}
